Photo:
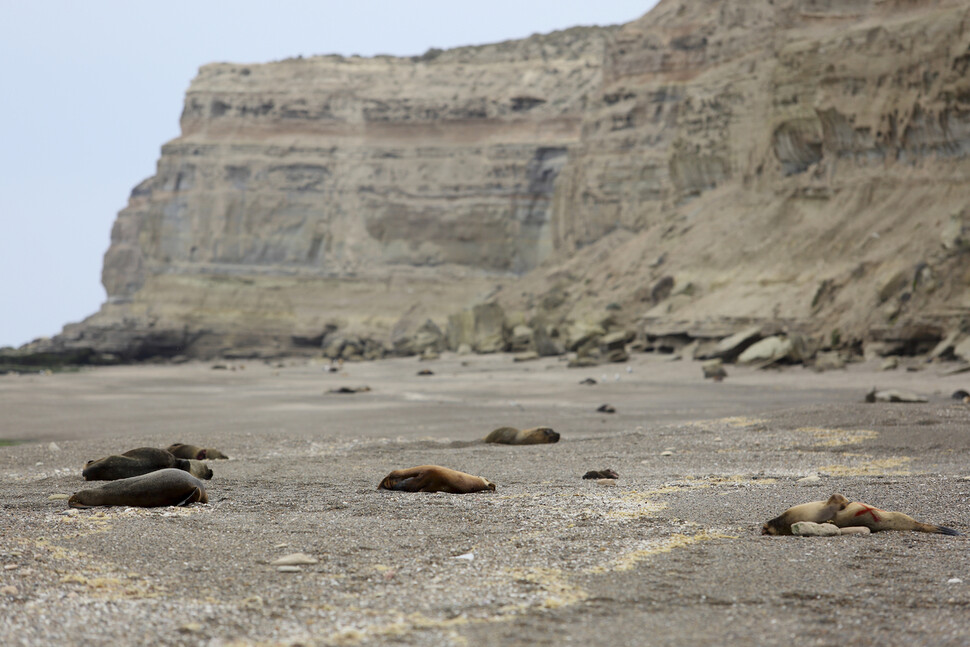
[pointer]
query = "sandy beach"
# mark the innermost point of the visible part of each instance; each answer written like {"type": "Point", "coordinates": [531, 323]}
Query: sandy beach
{"type": "Point", "coordinates": [669, 555]}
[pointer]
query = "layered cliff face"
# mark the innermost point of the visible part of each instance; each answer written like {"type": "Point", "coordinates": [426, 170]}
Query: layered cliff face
{"type": "Point", "coordinates": [713, 163]}
{"type": "Point", "coordinates": [332, 189]}
{"type": "Point", "coordinates": [803, 161]}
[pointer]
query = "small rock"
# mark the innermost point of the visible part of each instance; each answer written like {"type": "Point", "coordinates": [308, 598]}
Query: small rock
{"type": "Point", "coordinates": [589, 381]}
{"type": "Point", "coordinates": [58, 497]}
{"type": "Point", "coordinates": [53, 447]}
{"type": "Point", "coordinates": [811, 478]}
{"type": "Point", "coordinates": [191, 628]}
{"type": "Point", "coordinates": [812, 529]}
{"type": "Point", "coordinates": [468, 556]}
{"type": "Point", "coordinates": [9, 590]}
{"type": "Point", "coordinates": [10, 567]}
{"type": "Point", "coordinates": [289, 569]}
{"type": "Point", "coordinates": [889, 364]}
{"type": "Point", "coordinates": [667, 453]}
{"type": "Point", "coordinates": [606, 482]}
{"type": "Point", "coordinates": [426, 371]}
{"type": "Point", "coordinates": [294, 559]}
{"type": "Point", "coordinates": [714, 370]}
{"type": "Point", "coordinates": [526, 357]}
{"type": "Point", "coordinates": [856, 530]}
{"type": "Point", "coordinates": [954, 580]}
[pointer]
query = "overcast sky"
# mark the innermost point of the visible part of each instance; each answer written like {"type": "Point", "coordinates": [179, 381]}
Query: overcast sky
{"type": "Point", "coordinates": [92, 89]}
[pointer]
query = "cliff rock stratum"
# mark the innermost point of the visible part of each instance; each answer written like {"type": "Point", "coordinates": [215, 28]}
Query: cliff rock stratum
{"type": "Point", "coordinates": [712, 165]}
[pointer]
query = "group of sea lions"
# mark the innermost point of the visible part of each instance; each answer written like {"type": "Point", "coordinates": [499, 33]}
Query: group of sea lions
{"type": "Point", "coordinates": [842, 513]}
{"type": "Point", "coordinates": [148, 477]}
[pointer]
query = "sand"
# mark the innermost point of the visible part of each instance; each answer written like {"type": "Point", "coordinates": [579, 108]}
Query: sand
{"type": "Point", "coordinates": [670, 555]}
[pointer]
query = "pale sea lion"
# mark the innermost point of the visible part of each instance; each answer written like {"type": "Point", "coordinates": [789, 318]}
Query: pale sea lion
{"type": "Point", "coordinates": [160, 488]}
{"type": "Point", "coordinates": [513, 436]}
{"type": "Point", "coordinates": [434, 478]}
{"type": "Point", "coordinates": [861, 514]}
{"type": "Point", "coordinates": [840, 512]}
{"type": "Point", "coordinates": [817, 511]}
{"type": "Point", "coordinates": [140, 461]}
{"type": "Point", "coordinates": [182, 450]}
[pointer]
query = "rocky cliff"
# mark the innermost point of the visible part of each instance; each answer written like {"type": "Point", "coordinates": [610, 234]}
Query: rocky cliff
{"type": "Point", "coordinates": [712, 164]}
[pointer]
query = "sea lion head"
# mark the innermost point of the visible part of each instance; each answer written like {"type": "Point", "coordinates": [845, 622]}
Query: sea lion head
{"type": "Point", "coordinates": [546, 434]}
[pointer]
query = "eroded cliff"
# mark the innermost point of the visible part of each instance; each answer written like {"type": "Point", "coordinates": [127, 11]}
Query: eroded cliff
{"type": "Point", "coordinates": [713, 163]}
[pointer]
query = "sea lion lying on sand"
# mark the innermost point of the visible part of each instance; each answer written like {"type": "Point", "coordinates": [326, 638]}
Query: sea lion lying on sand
{"type": "Point", "coordinates": [198, 453]}
{"type": "Point", "coordinates": [434, 478]}
{"type": "Point", "coordinates": [160, 488]}
{"type": "Point", "coordinates": [142, 460]}
{"type": "Point", "coordinates": [839, 511]}
{"type": "Point", "coordinates": [513, 436]}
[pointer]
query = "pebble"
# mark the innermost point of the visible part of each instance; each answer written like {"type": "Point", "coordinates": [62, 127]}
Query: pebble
{"type": "Point", "coordinates": [10, 567]}
{"type": "Point", "coordinates": [289, 569]}
{"type": "Point", "coordinates": [294, 559]}
{"type": "Point", "coordinates": [667, 453]}
{"type": "Point", "coordinates": [812, 529]}
{"type": "Point", "coordinates": [58, 497]}
{"type": "Point", "coordinates": [191, 628]}
{"type": "Point", "coordinates": [9, 590]}
{"type": "Point", "coordinates": [954, 580]}
{"type": "Point", "coordinates": [53, 447]}
{"type": "Point", "coordinates": [811, 478]}
{"type": "Point", "coordinates": [468, 556]}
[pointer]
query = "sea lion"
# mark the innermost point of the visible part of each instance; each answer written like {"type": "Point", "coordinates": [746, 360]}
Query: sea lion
{"type": "Point", "coordinates": [840, 512]}
{"type": "Point", "coordinates": [601, 474]}
{"type": "Point", "coordinates": [513, 436]}
{"type": "Point", "coordinates": [142, 460]}
{"type": "Point", "coordinates": [606, 408]}
{"type": "Point", "coordinates": [817, 511]}
{"type": "Point", "coordinates": [181, 450]}
{"type": "Point", "coordinates": [434, 478]}
{"type": "Point", "coordinates": [861, 514]}
{"type": "Point", "coordinates": [160, 488]}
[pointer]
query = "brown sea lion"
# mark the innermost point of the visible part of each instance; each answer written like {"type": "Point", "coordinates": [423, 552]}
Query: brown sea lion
{"type": "Point", "coordinates": [434, 478]}
{"type": "Point", "coordinates": [142, 460]}
{"type": "Point", "coordinates": [513, 436]}
{"type": "Point", "coordinates": [181, 450]}
{"type": "Point", "coordinates": [160, 488]}
{"type": "Point", "coordinates": [817, 511]}
{"type": "Point", "coordinates": [840, 512]}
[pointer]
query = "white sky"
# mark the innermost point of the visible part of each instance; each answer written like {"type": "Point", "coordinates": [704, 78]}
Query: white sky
{"type": "Point", "coordinates": [91, 89]}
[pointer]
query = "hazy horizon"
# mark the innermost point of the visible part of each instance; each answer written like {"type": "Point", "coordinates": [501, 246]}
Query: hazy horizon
{"type": "Point", "coordinates": [95, 89]}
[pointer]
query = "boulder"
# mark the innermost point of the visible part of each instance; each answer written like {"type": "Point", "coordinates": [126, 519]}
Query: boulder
{"type": "Point", "coordinates": [767, 351]}
{"type": "Point", "coordinates": [580, 333]}
{"type": "Point", "coordinates": [730, 347]}
{"type": "Point", "coordinates": [489, 328]}
{"type": "Point", "coordinates": [521, 338]}
{"type": "Point", "coordinates": [545, 345]}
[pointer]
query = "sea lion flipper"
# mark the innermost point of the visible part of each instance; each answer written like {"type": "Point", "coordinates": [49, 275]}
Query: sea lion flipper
{"type": "Point", "coordinates": [411, 484]}
{"type": "Point", "coordinates": [943, 530]}
{"type": "Point", "coordinates": [194, 495]}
